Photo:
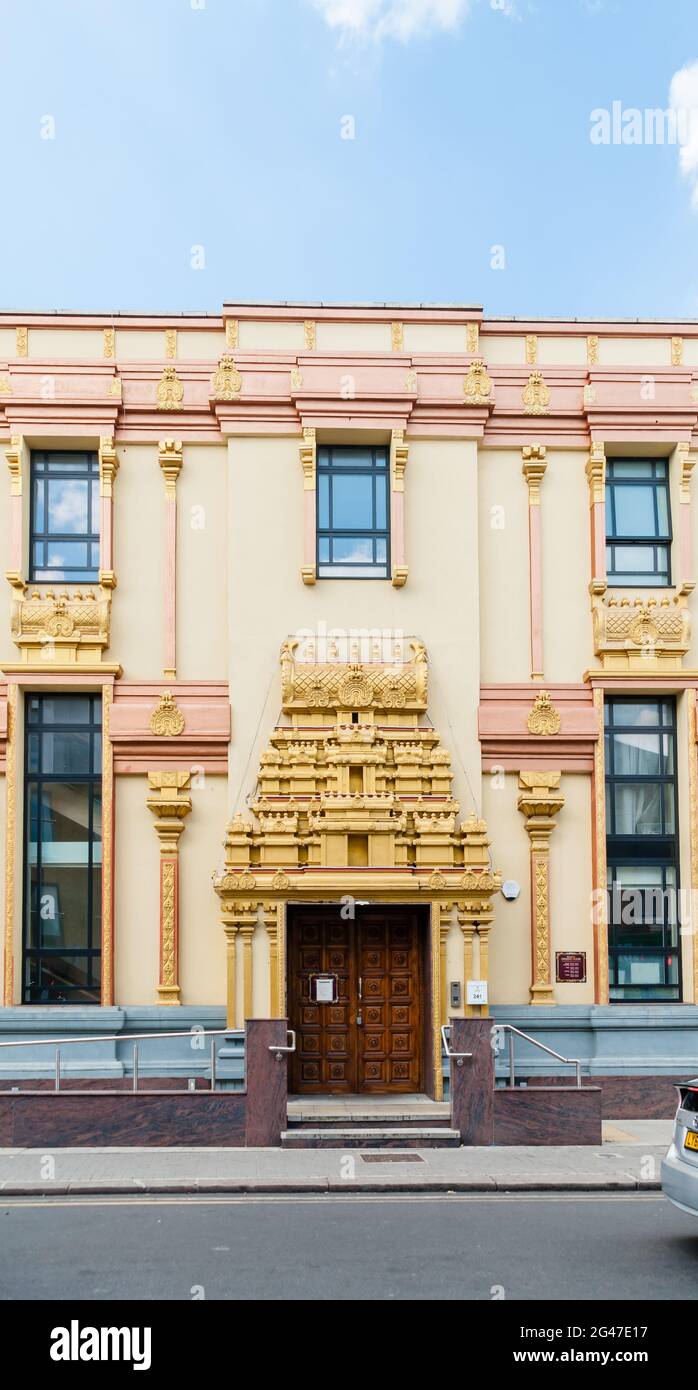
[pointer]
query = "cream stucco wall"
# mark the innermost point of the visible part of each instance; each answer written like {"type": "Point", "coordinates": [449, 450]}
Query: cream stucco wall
{"type": "Point", "coordinates": [137, 606]}
{"type": "Point", "coordinates": [568, 649]}
{"type": "Point", "coordinates": [504, 589]}
{"type": "Point", "coordinates": [202, 591]}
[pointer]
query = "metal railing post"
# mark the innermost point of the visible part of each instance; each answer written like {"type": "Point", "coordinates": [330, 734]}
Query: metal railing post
{"type": "Point", "coordinates": [213, 1064]}
{"type": "Point", "coordinates": [135, 1066]}
{"type": "Point", "coordinates": [512, 1061]}
{"type": "Point", "coordinates": [57, 1083]}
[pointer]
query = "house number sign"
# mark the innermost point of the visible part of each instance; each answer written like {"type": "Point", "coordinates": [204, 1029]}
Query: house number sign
{"type": "Point", "coordinates": [323, 989]}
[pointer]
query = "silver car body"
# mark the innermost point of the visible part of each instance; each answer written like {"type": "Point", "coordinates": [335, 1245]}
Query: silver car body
{"type": "Point", "coordinates": [680, 1167]}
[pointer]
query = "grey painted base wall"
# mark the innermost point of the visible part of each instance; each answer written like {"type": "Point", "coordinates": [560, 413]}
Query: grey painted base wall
{"type": "Point", "coordinates": [618, 1040]}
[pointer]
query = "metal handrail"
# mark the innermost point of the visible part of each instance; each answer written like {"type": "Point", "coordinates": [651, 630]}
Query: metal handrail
{"type": "Point", "coordinates": [279, 1050]}
{"type": "Point", "coordinates": [458, 1057]}
{"type": "Point", "coordinates": [511, 1030]}
{"type": "Point", "coordinates": [135, 1038]}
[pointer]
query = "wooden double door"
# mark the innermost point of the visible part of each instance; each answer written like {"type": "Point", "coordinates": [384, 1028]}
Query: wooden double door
{"type": "Point", "coordinates": [355, 991]}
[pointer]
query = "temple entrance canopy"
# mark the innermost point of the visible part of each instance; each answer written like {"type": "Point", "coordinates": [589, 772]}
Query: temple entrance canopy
{"type": "Point", "coordinates": [354, 803]}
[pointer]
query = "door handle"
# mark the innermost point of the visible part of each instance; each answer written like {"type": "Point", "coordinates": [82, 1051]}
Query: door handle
{"type": "Point", "coordinates": [359, 1018]}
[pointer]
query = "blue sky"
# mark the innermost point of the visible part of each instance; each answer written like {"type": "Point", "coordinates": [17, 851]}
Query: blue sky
{"type": "Point", "coordinates": [217, 124]}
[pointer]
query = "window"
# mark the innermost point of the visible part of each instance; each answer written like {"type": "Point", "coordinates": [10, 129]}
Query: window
{"type": "Point", "coordinates": [64, 520]}
{"type": "Point", "coordinates": [642, 850]}
{"type": "Point", "coordinates": [62, 849]}
{"type": "Point", "coordinates": [638, 521]}
{"type": "Point", "coordinates": [353, 535]}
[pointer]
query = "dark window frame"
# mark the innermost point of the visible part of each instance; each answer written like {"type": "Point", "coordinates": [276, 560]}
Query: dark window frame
{"type": "Point", "coordinates": [40, 473]}
{"type": "Point", "coordinates": [337, 569]}
{"type": "Point", "coordinates": [90, 993]}
{"type": "Point", "coordinates": [661, 545]}
{"type": "Point", "coordinates": [646, 851]}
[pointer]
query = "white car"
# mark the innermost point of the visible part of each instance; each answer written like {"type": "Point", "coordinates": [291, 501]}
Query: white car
{"type": "Point", "coordinates": [680, 1167]}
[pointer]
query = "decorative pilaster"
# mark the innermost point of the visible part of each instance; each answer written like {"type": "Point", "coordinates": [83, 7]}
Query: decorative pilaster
{"type": "Point", "coordinates": [11, 848]}
{"type": "Point", "coordinates": [108, 469]}
{"type": "Point", "coordinates": [398, 463]}
{"type": "Point", "coordinates": [15, 460]}
{"type": "Point", "coordinates": [170, 459]}
{"type": "Point", "coordinates": [247, 931]}
{"type": "Point", "coordinates": [540, 801]}
{"type": "Point", "coordinates": [533, 467]}
{"type": "Point", "coordinates": [272, 926]}
{"type": "Point", "coordinates": [467, 927]}
{"type": "Point", "coordinates": [308, 458]}
{"type": "Point", "coordinates": [231, 933]}
{"type": "Point", "coordinates": [107, 990]}
{"type": "Point", "coordinates": [170, 803]}
{"type": "Point", "coordinates": [686, 460]}
{"type": "Point", "coordinates": [596, 475]}
{"type": "Point", "coordinates": [598, 816]}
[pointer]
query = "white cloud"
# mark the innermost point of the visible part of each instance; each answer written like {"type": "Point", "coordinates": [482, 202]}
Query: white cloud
{"type": "Point", "coordinates": [683, 99]}
{"type": "Point", "coordinates": [400, 19]}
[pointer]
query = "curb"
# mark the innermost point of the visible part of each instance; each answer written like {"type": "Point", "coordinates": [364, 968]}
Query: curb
{"type": "Point", "coordinates": [251, 1186]}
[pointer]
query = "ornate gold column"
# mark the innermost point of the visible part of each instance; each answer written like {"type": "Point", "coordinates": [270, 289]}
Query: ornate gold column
{"type": "Point", "coordinates": [108, 469]}
{"type": "Point", "coordinates": [247, 931]}
{"type": "Point", "coordinates": [272, 913]}
{"type": "Point", "coordinates": [308, 456]}
{"type": "Point", "coordinates": [170, 459]}
{"type": "Point", "coordinates": [398, 462]}
{"type": "Point", "coordinates": [596, 477]}
{"type": "Point", "coordinates": [169, 802]}
{"type": "Point", "coordinates": [533, 467]}
{"type": "Point", "coordinates": [539, 802]}
{"type": "Point", "coordinates": [231, 933]}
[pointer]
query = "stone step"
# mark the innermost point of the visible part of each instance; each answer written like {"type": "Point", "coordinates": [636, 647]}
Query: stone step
{"type": "Point", "coordinates": [345, 1120]}
{"type": "Point", "coordinates": [368, 1137]}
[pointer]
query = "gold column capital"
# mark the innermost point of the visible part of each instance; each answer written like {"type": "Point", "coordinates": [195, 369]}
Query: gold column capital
{"type": "Point", "coordinates": [687, 460]}
{"type": "Point", "coordinates": [596, 472]}
{"type": "Point", "coordinates": [399, 452]}
{"type": "Point", "coordinates": [533, 466]}
{"type": "Point", "coordinates": [108, 466]}
{"type": "Point", "coordinates": [169, 802]}
{"type": "Point", "coordinates": [539, 801]}
{"type": "Point", "coordinates": [13, 454]}
{"type": "Point", "coordinates": [170, 459]}
{"type": "Point", "coordinates": [308, 457]}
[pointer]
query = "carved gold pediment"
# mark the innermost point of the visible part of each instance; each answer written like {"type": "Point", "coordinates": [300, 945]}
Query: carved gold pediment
{"type": "Point", "coordinates": [355, 794]}
{"type": "Point", "coordinates": [62, 625]}
{"type": "Point", "coordinates": [641, 633]}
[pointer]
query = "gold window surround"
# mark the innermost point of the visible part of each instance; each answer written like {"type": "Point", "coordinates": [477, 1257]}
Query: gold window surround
{"type": "Point", "coordinates": [354, 769]}
{"type": "Point", "coordinates": [399, 452]}
{"type": "Point", "coordinates": [170, 802]}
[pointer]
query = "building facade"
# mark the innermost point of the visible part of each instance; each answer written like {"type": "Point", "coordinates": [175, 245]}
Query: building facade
{"type": "Point", "coordinates": [349, 670]}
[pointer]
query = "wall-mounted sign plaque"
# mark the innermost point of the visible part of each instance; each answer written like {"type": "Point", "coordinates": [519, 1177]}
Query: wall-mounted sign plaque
{"type": "Point", "coordinates": [571, 967]}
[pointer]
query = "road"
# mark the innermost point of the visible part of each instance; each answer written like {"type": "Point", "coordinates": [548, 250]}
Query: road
{"type": "Point", "coordinates": [559, 1247]}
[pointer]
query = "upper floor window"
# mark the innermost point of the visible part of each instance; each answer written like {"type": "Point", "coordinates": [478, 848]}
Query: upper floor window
{"type": "Point", "coordinates": [638, 522]}
{"type": "Point", "coordinates": [64, 521]}
{"type": "Point", "coordinates": [353, 533]}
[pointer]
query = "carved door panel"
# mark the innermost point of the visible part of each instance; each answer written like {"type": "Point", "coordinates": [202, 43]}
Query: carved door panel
{"type": "Point", "coordinates": [389, 968]}
{"type": "Point", "coordinates": [325, 1056]}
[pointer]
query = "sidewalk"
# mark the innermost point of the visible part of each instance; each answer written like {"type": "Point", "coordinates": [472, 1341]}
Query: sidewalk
{"type": "Point", "coordinates": [628, 1161]}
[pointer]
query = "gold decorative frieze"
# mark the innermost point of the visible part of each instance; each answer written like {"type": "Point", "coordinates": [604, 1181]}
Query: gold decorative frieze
{"type": "Point", "coordinates": [687, 459]}
{"type": "Point", "coordinates": [539, 801]}
{"type": "Point", "coordinates": [232, 333]}
{"type": "Point", "coordinates": [167, 720]}
{"type": "Point", "coordinates": [108, 466]}
{"type": "Point", "coordinates": [5, 386]}
{"type": "Point", "coordinates": [109, 343]}
{"type": "Point", "coordinates": [22, 341]}
{"type": "Point", "coordinates": [170, 803]}
{"type": "Point", "coordinates": [69, 625]}
{"type": "Point", "coordinates": [411, 382]}
{"type": "Point", "coordinates": [399, 451]}
{"type": "Point", "coordinates": [593, 349]}
{"type": "Point", "coordinates": [477, 384]}
{"type": "Point", "coordinates": [543, 719]}
{"type": "Point", "coordinates": [472, 337]}
{"type": "Point", "coordinates": [227, 381]}
{"type": "Point", "coordinates": [170, 343]}
{"type": "Point", "coordinates": [588, 395]}
{"type": "Point", "coordinates": [353, 685]}
{"type": "Point", "coordinates": [115, 387]}
{"type": "Point", "coordinates": [14, 463]}
{"type": "Point", "coordinates": [170, 459]}
{"type": "Point", "coordinates": [677, 352]}
{"type": "Point", "coordinates": [308, 455]}
{"type": "Point", "coordinates": [170, 391]}
{"type": "Point", "coordinates": [640, 633]}
{"type": "Point", "coordinates": [536, 395]}
{"type": "Point", "coordinates": [296, 378]}
{"type": "Point", "coordinates": [531, 349]}
{"type": "Point", "coordinates": [309, 334]}
{"type": "Point", "coordinates": [396, 337]}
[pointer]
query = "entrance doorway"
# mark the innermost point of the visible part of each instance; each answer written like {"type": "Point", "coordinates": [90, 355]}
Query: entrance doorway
{"type": "Point", "coordinates": [356, 999]}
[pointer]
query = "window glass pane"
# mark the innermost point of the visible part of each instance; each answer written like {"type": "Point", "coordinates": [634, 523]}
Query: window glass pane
{"type": "Point", "coordinates": [66, 555]}
{"type": "Point", "coordinates": [65, 819]}
{"type": "Point", "coordinates": [94, 495]}
{"type": "Point", "coordinates": [61, 979]}
{"type": "Point", "coordinates": [667, 754]}
{"type": "Point", "coordinates": [352, 502]}
{"type": "Point", "coordinates": [669, 808]}
{"type": "Point", "coordinates": [64, 709]}
{"type": "Point", "coordinates": [351, 458]}
{"type": "Point", "coordinates": [631, 468]}
{"type": "Point", "coordinates": [33, 753]}
{"type": "Point", "coordinates": [67, 507]}
{"type": "Point", "coordinates": [634, 508]}
{"type": "Point", "coordinates": [66, 752]}
{"type": "Point", "coordinates": [637, 808]}
{"type": "Point", "coordinates": [636, 754]}
{"type": "Point", "coordinates": [356, 550]}
{"type": "Point", "coordinates": [629, 558]}
{"type": "Point", "coordinates": [636, 713]}
{"type": "Point", "coordinates": [662, 511]}
{"type": "Point", "coordinates": [39, 522]}
{"type": "Point", "coordinates": [324, 549]}
{"type": "Point", "coordinates": [97, 753]}
{"type": "Point", "coordinates": [323, 500]}
{"type": "Point", "coordinates": [381, 550]}
{"type": "Point", "coordinates": [381, 502]}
